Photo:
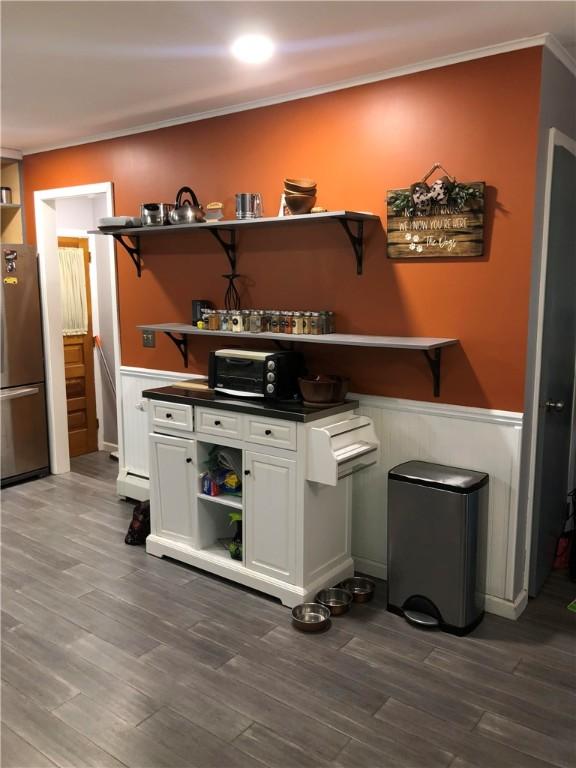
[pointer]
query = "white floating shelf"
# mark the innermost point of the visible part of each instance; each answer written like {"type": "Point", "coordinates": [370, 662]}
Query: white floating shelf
{"type": "Point", "coordinates": [341, 339]}
{"type": "Point", "coordinates": [431, 347]}
{"type": "Point", "coordinates": [351, 221]}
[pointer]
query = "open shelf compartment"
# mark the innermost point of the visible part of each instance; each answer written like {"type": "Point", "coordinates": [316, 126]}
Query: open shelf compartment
{"type": "Point", "coordinates": [213, 512]}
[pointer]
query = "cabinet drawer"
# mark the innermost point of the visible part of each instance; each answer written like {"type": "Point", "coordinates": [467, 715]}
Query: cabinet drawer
{"type": "Point", "coordinates": [281, 434]}
{"type": "Point", "coordinates": [172, 415]}
{"type": "Point", "coordinates": [213, 422]}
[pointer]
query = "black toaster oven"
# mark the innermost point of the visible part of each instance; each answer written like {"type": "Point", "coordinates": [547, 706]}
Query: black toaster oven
{"type": "Point", "coordinates": [247, 373]}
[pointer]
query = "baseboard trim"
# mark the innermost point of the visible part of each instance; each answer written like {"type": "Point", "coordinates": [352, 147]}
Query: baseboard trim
{"type": "Point", "coordinates": [109, 446]}
{"type": "Point", "coordinates": [505, 608]}
{"type": "Point", "coordinates": [370, 568]}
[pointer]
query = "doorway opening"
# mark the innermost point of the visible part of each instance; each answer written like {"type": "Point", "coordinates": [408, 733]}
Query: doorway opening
{"type": "Point", "coordinates": [79, 420]}
{"type": "Point", "coordinates": [552, 449]}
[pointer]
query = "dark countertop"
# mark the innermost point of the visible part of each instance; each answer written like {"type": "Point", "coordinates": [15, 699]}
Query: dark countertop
{"type": "Point", "coordinates": [290, 411]}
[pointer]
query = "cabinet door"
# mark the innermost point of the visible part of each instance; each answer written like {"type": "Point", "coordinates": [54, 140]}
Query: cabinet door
{"type": "Point", "coordinates": [172, 487]}
{"type": "Point", "coordinates": [270, 515]}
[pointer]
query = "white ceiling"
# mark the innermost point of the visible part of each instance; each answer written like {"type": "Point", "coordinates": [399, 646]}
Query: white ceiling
{"type": "Point", "coordinates": [75, 70]}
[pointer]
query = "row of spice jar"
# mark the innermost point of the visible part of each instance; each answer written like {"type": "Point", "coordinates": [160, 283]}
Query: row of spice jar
{"type": "Point", "coordinates": [264, 321]}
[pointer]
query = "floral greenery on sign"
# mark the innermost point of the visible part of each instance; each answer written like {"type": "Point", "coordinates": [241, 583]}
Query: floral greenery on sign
{"type": "Point", "coordinates": [458, 195]}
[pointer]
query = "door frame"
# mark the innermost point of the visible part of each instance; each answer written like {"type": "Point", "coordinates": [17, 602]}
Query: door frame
{"type": "Point", "coordinates": [555, 139]}
{"type": "Point", "coordinates": [49, 272]}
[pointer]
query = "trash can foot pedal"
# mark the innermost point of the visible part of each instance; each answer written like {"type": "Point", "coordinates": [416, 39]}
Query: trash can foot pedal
{"type": "Point", "coordinates": [422, 620]}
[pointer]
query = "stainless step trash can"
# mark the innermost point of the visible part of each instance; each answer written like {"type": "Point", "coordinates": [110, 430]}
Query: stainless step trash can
{"type": "Point", "coordinates": [436, 519]}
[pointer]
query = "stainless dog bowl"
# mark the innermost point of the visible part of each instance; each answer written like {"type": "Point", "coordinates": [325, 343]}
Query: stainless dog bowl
{"type": "Point", "coordinates": [362, 589]}
{"type": "Point", "coordinates": [155, 214]}
{"type": "Point", "coordinates": [310, 617]}
{"type": "Point", "coordinates": [336, 599]}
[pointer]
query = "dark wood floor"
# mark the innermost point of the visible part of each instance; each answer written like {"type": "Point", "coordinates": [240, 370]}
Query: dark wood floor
{"type": "Point", "coordinates": [115, 658]}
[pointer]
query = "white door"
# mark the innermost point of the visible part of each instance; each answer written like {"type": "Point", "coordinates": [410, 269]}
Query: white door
{"type": "Point", "coordinates": [270, 515]}
{"type": "Point", "coordinates": [172, 487]}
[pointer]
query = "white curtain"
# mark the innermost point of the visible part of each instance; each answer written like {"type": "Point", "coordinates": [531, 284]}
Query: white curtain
{"type": "Point", "coordinates": [73, 289]}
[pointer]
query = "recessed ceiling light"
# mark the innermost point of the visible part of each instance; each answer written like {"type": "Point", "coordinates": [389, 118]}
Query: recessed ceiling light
{"type": "Point", "coordinates": [252, 49]}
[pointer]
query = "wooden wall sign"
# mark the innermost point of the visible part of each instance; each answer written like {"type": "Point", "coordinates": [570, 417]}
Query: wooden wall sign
{"type": "Point", "coordinates": [438, 230]}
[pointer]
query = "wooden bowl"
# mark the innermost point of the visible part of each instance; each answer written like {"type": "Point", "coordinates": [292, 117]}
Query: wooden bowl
{"type": "Point", "coordinates": [319, 389]}
{"type": "Point", "coordinates": [290, 193]}
{"type": "Point", "coordinates": [298, 204]}
{"type": "Point", "coordinates": [300, 185]}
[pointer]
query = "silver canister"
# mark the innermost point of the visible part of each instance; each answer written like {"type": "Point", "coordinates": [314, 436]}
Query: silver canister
{"type": "Point", "coordinates": [5, 195]}
{"type": "Point", "coordinates": [248, 205]}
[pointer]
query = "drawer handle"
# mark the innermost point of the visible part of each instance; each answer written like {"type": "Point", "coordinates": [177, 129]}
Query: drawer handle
{"type": "Point", "coordinates": [267, 431]}
{"type": "Point", "coordinates": [168, 415]}
{"type": "Point", "coordinates": [188, 460]}
{"type": "Point", "coordinates": [217, 423]}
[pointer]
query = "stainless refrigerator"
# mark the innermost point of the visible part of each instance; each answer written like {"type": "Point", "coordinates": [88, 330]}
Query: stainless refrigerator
{"type": "Point", "coordinates": [24, 439]}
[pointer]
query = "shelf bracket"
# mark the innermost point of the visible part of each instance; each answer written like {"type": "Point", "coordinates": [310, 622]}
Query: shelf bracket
{"type": "Point", "coordinates": [181, 342]}
{"type": "Point", "coordinates": [434, 361]}
{"type": "Point", "coordinates": [356, 240]}
{"type": "Point", "coordinates": [132, 250]}
{"type": "Point", "coordinates": [229, 246]}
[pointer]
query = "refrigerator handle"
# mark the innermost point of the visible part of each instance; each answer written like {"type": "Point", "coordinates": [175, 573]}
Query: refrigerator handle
{"type": "Point", "coordinates": [12, 394]}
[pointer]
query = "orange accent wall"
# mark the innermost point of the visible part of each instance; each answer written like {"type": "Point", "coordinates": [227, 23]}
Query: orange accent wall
{"type": "Point", "coordinates": [479, 118]}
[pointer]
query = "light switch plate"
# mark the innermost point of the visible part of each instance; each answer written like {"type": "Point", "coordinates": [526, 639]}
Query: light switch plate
{"type": "Point", "coordinates": [148, 338]}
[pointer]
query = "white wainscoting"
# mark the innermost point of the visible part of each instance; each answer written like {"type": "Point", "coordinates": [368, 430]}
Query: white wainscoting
{"type": "Point", "coordinates": [473, 438]}
{"type": "Point", "coordinates": [133, 471]}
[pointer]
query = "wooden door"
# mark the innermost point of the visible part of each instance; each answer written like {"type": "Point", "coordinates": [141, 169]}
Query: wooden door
{"type": "Point", "coordinates": [270, 517]}
{"type": "Point", "coordinates": [172, 487]}
{"type": "Point", "coordinates": [79, 372]}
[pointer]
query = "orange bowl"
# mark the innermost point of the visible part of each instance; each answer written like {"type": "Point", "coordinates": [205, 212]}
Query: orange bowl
{"type": "Point", "coordinates": [298, 204]}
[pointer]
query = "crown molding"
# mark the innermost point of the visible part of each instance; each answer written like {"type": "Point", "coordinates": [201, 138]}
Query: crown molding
{"type": "Point", "coordinates": [546, 40]}
{"type": "Point", "coordinates": [10, 154]}
{"type": "Point", "coordinates": [557, 49]}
